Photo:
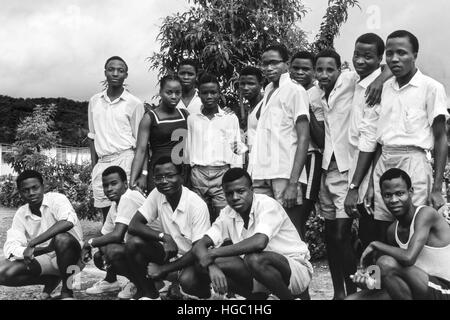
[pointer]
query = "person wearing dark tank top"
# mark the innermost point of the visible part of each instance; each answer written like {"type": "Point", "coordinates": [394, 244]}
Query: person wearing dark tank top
{"type": "Point", "coordinates": [156, 131]}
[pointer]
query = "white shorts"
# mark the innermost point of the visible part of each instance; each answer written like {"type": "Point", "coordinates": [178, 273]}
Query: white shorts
{"type": "Point", "coordinates": [49, 265]}
{"type": "Point", "coordinates": [123, 160]}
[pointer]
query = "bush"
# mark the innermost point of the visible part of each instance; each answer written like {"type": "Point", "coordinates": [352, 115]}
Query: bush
{"type": "Point", "coordinates": [315, 231]}
{"type": "Point", "coordinates": [72, 180]}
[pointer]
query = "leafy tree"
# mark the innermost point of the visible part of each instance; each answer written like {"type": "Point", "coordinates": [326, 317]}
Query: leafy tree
{"type": "Point", "coordinates": [34, 135]}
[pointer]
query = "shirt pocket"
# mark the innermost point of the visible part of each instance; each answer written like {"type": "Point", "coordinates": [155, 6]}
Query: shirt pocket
{"type": "Point", "coordinates": [415, 115]}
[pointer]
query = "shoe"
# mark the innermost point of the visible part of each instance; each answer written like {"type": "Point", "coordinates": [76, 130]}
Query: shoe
{"type": "Point", "coordinates": [163, 286]}
{"type": "Point", "coordinates": [272, 297]}
{"type": "Point", "coordinates": [104, 287]}
{"type": "Point", "coordinates": [128, 291]}
{"type": "Point", "coordinates": [147, 298]}
{"type": "Point", "coordinates": [45, 296]}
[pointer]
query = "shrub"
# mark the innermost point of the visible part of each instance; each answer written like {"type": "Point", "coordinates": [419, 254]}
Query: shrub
{"type": "Point", "coordinates": [315, 231]}
{"type": "Point", "coordinates": [72, 180]}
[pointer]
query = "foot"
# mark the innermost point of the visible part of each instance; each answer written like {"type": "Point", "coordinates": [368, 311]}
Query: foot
{"type": "Point", "coordinates": [147, 298]}
{"type": "Point", "coordinates": [104, 287]}
{"type": "Point", "coordinates": [128, 291]}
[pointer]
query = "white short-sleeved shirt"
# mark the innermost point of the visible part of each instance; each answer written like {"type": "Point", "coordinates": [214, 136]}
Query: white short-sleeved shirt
{"type": "Point", "coordinates": [407, 114]}
{"type": "Point", "coordinates": [114, 124]}
{"type": "Point", "coordinates": [273, 152]}
{"type": "Point", "coordinates": [364, 119]}
{"type": "Point", "coordinates": [337, 120]}
{"type": "Point", "coordinates": [194, 106]}
{"type": "Point", "coordinates": [27, 226]}
{"type": "Point", "coordinates": [187, 224]}
{"type": "Point", "coordinates": [315, 104]}
{"type": "Point", "coordinates": [267, 217]}
{"type": "Point", "coordinates": [209, 140]}
{"type": "Point", "coordinates": [128, 205]}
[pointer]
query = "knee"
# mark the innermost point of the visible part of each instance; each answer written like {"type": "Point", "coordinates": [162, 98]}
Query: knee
{"type": "Point", "coordinates": [254, 261]}
{"type": "Point", "coordinates": [387, 265]}
{"type": "Point", "coordinates": [115, 253]}
{"type": "Point", "coordinates": [63, 241]}
{"type": "Point", "coordinates": [187, 282]}
{"type": "Point", "coordinates": [6, 272]}
{"type": "Point", "coordinates": [98, 260]}
{"type": "Point", "coordinates": [134, 244]}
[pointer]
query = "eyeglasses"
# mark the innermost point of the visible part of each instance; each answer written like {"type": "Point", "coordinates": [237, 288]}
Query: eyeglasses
{"type": "Point", "coordinates": [272, 63]}
{"type": "Point", "coordinates": [160, 178]}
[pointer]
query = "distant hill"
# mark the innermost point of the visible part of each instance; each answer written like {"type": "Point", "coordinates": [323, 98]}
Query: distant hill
{"type": "Point", "coordinates": [71, 120]}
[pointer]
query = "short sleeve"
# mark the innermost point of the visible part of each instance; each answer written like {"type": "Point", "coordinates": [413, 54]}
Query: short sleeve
{"type": "Point", "coordinates": [298, 103]}
{"type": "Point", "coordinates": [218, 231]}
{"type": "Point", "coordinates": [64, 210]}
{"type": "Point", "coordinates": [436, 102]}
{"type": "Point", "coordinates": [270, 218]}
{"type": "Point", "coordinates": [149, 208]}
{"type": "Point", "coordinates": [136, 118]}
{"type": "Point", "coordinates": [91, 134]}
{"type": "Point", "coordinates": [108, 226]}
{"type": "Point", "coordinates": [368, 129]}
{"type": "Point", "coordinates": [128, 206]}
{"type": "Point", "coordinates": [200, 221]}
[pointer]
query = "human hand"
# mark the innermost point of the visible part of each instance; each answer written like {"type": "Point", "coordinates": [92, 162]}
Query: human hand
{"type": "Point", "coordinates": [369, 199]}
{"type": "Point", "coordinates": [373, 92]}
{"type": "Point", "coordinates": [290, 195]}
{"type": "Point", "coordinates": [207, 259]}
{"type": "Point", "coordinates": [351, 200]}
{"type": "Point", "coordinates": [238, 147]}
{"type": "Point", "coordinates": [170, 247]}
{"type": "Point", "coordinates": [28, 255]}
{"type": "Point", "coordinates": [367, 255]}
{"type": "Point", "coordinates": [436, 200]}
{"type": "Point", "coordinates": [363, 280]}
{"type": "Point", "coordinates": [218, 279]}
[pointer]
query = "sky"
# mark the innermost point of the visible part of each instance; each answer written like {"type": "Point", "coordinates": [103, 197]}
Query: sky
{"type": "Point", "coordinates": [57, 48]}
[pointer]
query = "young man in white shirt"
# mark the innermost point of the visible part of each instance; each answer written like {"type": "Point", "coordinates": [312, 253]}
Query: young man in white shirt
{"type": "Point", "coordinates": [187, 72]}
{"type": "Point", "coordinates": [183, 217]}
{"type": "Point", "coordinates": [338, 89]}
{"type": "Point", "coordinates": [282, 135]}
{"type": "Point", "coordinates": [301, 70]}
{"type": "Point", "coordinates": [412, 124]}
{"type": "Point", "coordinates": [111, 254]}
{"type": "Point", "coordinates": [114, 116]}
{"type": "Point", "coordinates": [367, 57]}
{"type": "Point", "coordinates": [266, 251]}
{"type": "Point", "coordinates": [43, 245]}
{"type": "Point", "coordinates": [211, 134]}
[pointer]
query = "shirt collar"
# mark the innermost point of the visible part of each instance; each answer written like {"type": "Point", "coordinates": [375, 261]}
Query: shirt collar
{"type": "Point", "coordinates": [124, 96]}
{"type": "Point", "coordinates": [45, 203]}
{"type": "Point", "coordinates": [220, 113]}
{"type": "Point", "coordinates": [234, 215]}
{"type": "Point", "coordinates": [364, 83]}
{"type": "Point", "coordinates": [285, 77]}
{"type": "Point", "coordinates": [415, 81]}
{"type": "Point", "coordinates": [182, 203]}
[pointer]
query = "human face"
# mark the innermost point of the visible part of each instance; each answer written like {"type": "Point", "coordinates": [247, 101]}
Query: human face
{"type": "Point", "coordinates": [249, 86]}
{"type": "Point", "coordinates": [273, 65]}
{"type": "Point", "coordinates": [400, 57]}
{"type": "Point", "coordinates": [396, 196]}
{"type": "Point", "coordinates": [327, 73]}
{"type": "Point", "coordinates": [171, 93]}
{"type": "Point", "coordinates": [187, 75]}
{"type": "Point", "coordinates": [209, 94]}
{"type": "Point", "coordinates": [365, 59]}
{"type": "Point", "coordinates": [32, 191]}
{"type": "Point", "coordinates": [239, 195]}
{"type": "Point", "coordinates": [302, 71]}
{"type": "Point", "coordinates": [113, 186]}
{"type": "Point", "coordinates": [115, 73]}
{"type": "Point", "coordinates": [167, 180]}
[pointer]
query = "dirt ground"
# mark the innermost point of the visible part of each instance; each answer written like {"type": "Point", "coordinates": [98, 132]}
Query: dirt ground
{"type": "Point", "coordinates": [320, 289]}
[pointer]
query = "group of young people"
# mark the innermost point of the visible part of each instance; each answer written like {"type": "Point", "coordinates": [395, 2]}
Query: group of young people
{"type": "Point", "coordinates": [181, 203]}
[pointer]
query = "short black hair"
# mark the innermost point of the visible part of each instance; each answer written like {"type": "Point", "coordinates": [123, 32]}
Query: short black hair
{"type": "Point", "coordinates": [115, 169]}
{"type": "Point", "coordinates": [189, 62]}
{"type": "Point", "coordinates": [372, 38]}
{"type": "Point", "coordinates": [252, 71]}
{"type": "Point", "coordinates": [167, 78]}
{"type": "Point", "coordinates": [208, 78]}
{"type": "Point", "coordinates": [303, 55]}
{"type": "Point", "coordinates": [395, 173]}
{"type": "Point", "coordinates": [329, 53]}
{"type": "Point", "coordinates": [406, 34]}
{"type": "Point", "coordinates": [116, 58]}
{"type": "Point", "coordinates": [281, 49]}
{"type": "Point", "coordinates": [28, 174]}
{"type": "Point", "coordinates": [236, 173]}
{"type": "Point", "coordinates": [164, 160]}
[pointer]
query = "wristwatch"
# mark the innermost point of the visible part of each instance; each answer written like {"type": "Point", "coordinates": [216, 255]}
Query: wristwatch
{"type": "Point", "coordinates": [353, 186]}
{"type": "Point", "coordinates": [90, 242]}
{"type": "Point", "coordinates": [144, 172]}
{"type": "Point", "coordinates": [161, 235]}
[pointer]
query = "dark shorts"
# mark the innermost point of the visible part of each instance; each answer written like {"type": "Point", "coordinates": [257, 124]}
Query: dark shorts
{"type": "Point", "coordinates": [313, 173]}
{"type": "Point", "coordinates": [438, 289]}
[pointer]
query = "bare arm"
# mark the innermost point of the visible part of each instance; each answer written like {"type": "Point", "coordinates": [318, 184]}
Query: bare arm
{"type": "Point", "coordinates": [317, 130]}
{"type": "Point", "coordinates": [440, 160]}
{"type": "Point", "coordinates": [57, 228]}
{"type": "Point", "coordinates": [141, 149]}
{"type": "Point", "coordinates": [94, 156]}
{"type": "Point", "coordinates": [116, 236]}
{"type": "Point", "coordinates": [374, 90]}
